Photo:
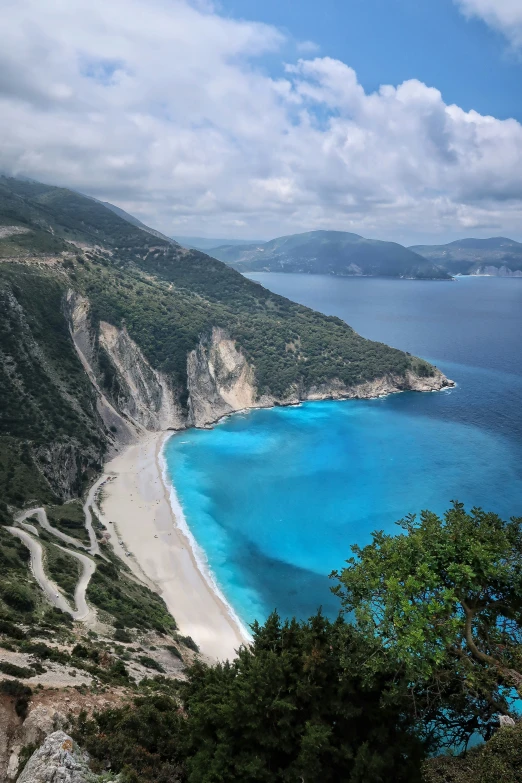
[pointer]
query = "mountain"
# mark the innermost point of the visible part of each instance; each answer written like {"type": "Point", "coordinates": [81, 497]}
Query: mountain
{"type": "Point", "coordinates": [497, 256]}
{"type": "Point", "coordinates": [332, 253]}
{"type": "Point", "coordinates": [206, 243]}
{"type": "Point", "coordinates": [134, 221]}
{"type": "Point", "coordinates": [107, 332]}
{"type": "Point", "coordinates": [107, 328]}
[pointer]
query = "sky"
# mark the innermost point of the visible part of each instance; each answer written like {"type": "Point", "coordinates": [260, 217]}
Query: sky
{"type": "Point", "coordinates": [395, 119]}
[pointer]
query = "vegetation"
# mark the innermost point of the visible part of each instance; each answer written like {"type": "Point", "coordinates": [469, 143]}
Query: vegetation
{"type": "Point", "coordinates": [69, 518]}
{"type": "Point", "coordinates": [130, 604]}
{"type": "Point", "coordinates": [292, 707]}
{"type": "Point", "coordinates": [498, 761]}
{"type": "Point", "coordinates": [16, 671]}
{"type": "Point", "coordinates": [446, 599]}
{"type": "Point", "coordinates": [63, 569]}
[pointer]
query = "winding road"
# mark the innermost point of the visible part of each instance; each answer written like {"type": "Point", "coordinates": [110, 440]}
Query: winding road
{"type": "Point", "coordinates": [51, 590]}
{"type": "Point", "coordinates": [41, 516]}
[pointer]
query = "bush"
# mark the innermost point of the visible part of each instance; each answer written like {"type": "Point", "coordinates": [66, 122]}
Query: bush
{"type": "Point", "coordinates": [12, 630]}
{"type": "Point", "coordinates": [174, 651]}
{"type": "Point", "coordinates": [150, 663]}
{"type": "Point", "coordinates": [15, 671]}
{"type": "Point", "coordinates": [188, 641]}
{"type": "Point", "coordinates": [18, 596]}
{"type": "Point", "coordinates": [120, 635]}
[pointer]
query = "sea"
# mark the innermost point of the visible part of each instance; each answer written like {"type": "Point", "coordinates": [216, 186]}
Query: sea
{"type": "Point", "coordinates": [276, 498]}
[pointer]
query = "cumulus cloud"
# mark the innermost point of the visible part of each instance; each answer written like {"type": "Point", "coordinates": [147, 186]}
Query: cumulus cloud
{"type": "Point", "coordinates": [164, 108]}
{"type": "Point", "coordinates": [503, 15]}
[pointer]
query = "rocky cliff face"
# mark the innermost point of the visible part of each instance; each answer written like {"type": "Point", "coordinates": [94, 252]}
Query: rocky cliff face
{"type": "Point", "coordinates": [497, 271]}
{"type": "Point", "coordinates": [220, 381]}
{"type": "Point", "coordinates": [144, 395]}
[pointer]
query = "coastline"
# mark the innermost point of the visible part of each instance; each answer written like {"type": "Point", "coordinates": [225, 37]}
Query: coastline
{"type": "Point", "coordinates": [137, 510]}
{"type": "Point", "coordinates": [148, 530]}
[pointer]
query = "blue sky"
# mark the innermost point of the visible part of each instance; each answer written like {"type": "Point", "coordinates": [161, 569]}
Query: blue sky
{"type": "Point", "coordinates": [389, 41]}
{"type": "Point", "coordinates": [394, 119]}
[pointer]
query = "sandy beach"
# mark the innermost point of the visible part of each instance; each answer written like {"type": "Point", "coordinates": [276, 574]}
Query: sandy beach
{"type": "Point", "coordinates": [136, 508]}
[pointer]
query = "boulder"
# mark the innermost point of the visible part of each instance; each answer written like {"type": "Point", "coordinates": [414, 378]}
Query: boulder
{"type": "Point", "coordinates": [58, 760]}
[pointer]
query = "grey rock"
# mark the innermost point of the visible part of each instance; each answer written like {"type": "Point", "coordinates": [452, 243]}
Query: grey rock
{"type": "Point", "coordinates": [58, 760]}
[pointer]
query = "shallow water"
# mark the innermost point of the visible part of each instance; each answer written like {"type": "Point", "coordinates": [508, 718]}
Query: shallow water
{"type": "Point", "coordinates": [276, 497]}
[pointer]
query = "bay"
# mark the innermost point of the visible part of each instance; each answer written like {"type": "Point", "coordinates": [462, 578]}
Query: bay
{"type": "Point", "coordinates": [276, 498]}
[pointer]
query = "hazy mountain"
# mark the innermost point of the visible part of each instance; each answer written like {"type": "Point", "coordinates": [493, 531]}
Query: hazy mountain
{"type": "Point", "coordinates": [494, 256]}
{"type": "Point", "coordinates": [330, 252]}
{"type": "Point", "coordinates": [206, 243]}
{"type": "Point", "coordinates": [135, 221]}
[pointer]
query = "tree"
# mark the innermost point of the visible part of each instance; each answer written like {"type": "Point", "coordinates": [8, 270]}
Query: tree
{"type": "Point", "coordinates": [294, 707]}
{"type": "Point", "coordinates": [445, 599]}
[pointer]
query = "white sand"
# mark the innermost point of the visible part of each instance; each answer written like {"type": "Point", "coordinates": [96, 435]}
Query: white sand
{"type": "Point", "coordinates": [136, 509]}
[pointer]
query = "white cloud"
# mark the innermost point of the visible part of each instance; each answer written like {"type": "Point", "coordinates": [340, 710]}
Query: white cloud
{"type": "Point", "coordinates": [164, 108]}
{"type": "Point", "coordinates": [503, 15]}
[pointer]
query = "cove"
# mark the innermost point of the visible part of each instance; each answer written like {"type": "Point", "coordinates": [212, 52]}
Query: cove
{"type": "Point", "coordinates": [275, 498]}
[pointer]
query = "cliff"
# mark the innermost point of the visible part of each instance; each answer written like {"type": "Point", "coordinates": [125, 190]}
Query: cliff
{"type": "Point", "coordinates": [122, 332]}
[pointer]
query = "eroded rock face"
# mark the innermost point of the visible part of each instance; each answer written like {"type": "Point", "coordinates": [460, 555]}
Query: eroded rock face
{"type": "Point", "coordinates": [144, 394]}
{"type": "Point", "coordinates": [58, 760]}
{"type": "Point", "coordinates": [220, 381]}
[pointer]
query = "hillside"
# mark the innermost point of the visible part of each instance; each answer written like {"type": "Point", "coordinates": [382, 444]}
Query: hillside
{"type": "Point", "coordinates": [496, 256]}
{"type": "Point", "coordinates": [332, 253]}
{"type": "Point", "coordinates": [203, 339]}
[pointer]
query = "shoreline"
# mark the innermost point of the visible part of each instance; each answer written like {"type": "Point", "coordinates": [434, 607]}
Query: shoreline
{"type": "Point", "coordinates": [137, 510]}
{"type": "Point", "coordinates": [158, 545]}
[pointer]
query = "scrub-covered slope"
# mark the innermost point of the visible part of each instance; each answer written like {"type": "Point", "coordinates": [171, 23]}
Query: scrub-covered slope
{"type": "Point", "coordinates": [330, 253]}
{"type": "Point", "coordinates": [108, 331]}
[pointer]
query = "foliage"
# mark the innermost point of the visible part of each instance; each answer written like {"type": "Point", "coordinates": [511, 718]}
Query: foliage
{"type": "Point", "coordinates": [69, 518]}
{"type": "Point", "coordinates": [15, 671]}
{"type": "Point", "coordinates": [132, 605]}
{"type": "Point", "coordinates": [150, 663]}
{"type": "Point", "coordinates": [20, 692]}
{"type": "Point", "coordinates": [292, 707]}
{"type": "Point", "coordinates": [48, 404]}
{"type": "Point", "coordinates": [63, 569]}
{"type": "Point", "coordinates": [446, 599]}
{"type": "Point", "coordinates": [498, 761]}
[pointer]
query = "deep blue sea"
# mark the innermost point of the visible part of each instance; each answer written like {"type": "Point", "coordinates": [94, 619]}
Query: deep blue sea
{"type": "Point", "coordinates": [276, 498]}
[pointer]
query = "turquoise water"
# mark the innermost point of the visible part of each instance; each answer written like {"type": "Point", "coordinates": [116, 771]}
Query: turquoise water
{"type": "Point", "coordinates": [275, 498]}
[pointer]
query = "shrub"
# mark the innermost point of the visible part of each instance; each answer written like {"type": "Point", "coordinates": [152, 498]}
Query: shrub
{"type": "Point", "coordinates": [15, 671]}
{"type": "Point", "coordinates": [120, 635]}
{"type": "Point", "coordinates": [150, 663]}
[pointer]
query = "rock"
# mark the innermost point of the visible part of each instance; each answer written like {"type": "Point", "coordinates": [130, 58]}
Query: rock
{"type": "Point", "coordinates": [505, 720]}
{"type": "Point", "coordinates": [58, 760]}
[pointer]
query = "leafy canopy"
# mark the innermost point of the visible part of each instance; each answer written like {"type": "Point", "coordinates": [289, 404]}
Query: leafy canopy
{"type": "Point", "coordinates": [447, 594]}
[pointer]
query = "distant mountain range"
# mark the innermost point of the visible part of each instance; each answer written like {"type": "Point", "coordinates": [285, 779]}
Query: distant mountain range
{"type": "Point", "coordinates": [330, 252]}
{"type": "Point", "coordinates": [497, 256]}
{"type": "Point", "coordinates": [207, 243]}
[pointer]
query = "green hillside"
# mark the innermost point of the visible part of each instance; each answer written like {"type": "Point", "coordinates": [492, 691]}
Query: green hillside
{"type": "Point", "coordinates": [496, 255]}
{"type": "Point", "coordinates": [332, 253]}
{"type": "Point", "coordinates": [167, 297]}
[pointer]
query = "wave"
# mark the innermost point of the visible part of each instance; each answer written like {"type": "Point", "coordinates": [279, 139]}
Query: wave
{"type": "Point", "coordinates": [198, 552]}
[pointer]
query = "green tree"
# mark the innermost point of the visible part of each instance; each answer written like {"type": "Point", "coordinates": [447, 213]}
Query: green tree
{"type": "Point", "coordinates": [294, 707]}
{"type": "Point", "coordinates": [445, 598]}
